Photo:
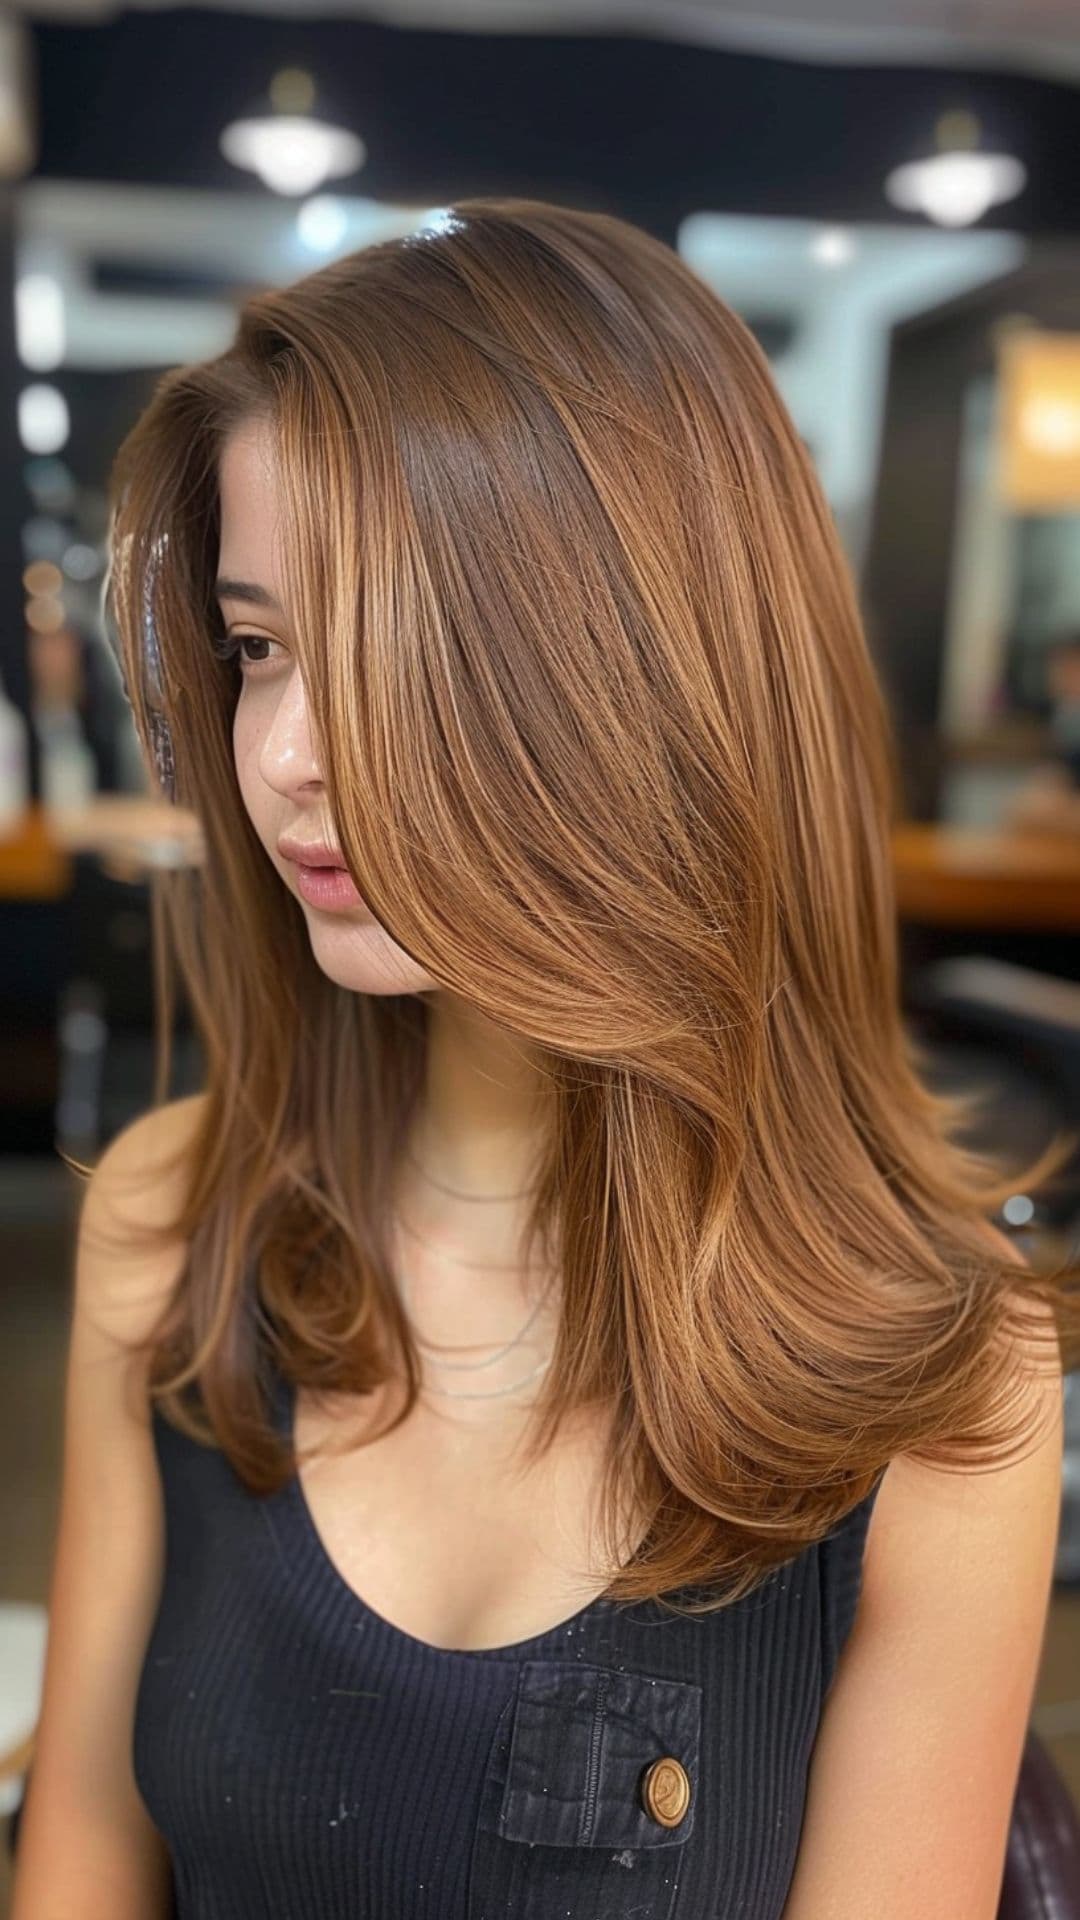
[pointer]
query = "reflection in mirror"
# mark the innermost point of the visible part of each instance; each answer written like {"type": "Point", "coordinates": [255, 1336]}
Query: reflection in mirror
{"type": "Point", "coordinates": [1011, 673]}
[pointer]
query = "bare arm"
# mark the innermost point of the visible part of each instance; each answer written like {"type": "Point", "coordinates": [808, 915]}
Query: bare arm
{"type": "Point", "coordinates": [87, 1848]}
{"type": "Point", "coordinates": [916, 1763]}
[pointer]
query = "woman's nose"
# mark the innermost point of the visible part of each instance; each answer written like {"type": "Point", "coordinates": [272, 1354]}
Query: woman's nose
{"type": "Point", "coordinates": [287, 758]}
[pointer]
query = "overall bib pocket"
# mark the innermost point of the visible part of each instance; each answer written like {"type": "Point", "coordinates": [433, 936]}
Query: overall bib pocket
{"type": "Point", "coordinates": [589, 1796]}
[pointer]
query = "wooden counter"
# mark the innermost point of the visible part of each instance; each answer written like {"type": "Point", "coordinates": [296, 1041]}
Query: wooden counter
{"type": "Point", "coordinates": [979, 877]}
{"type": "Point", "coordinates": [948, 876]}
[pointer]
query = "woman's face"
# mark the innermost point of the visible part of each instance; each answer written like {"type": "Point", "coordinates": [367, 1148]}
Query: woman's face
{"type": "Point", "coordinates": [279, 781]}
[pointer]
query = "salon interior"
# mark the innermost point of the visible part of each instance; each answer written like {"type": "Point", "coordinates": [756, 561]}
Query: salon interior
{"type": "Point", "coordinates": [884, 192]}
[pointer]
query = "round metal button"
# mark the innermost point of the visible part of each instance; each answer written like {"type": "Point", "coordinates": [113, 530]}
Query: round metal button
{"type": "Point", "coordinates": [665, 1791]}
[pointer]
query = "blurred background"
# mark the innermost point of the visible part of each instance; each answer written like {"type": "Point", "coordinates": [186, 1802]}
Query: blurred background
{"type": "Point", "coordinates": [886, 194]}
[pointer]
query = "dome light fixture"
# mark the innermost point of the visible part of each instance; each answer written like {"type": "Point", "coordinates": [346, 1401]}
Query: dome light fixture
{"type": "Point", "coordinates": [960, 182]}
{"type": "Point", "coordinates": [290, 150]}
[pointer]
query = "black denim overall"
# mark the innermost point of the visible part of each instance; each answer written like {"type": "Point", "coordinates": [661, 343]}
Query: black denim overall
{"type": "Point", "coordinates": [307, 1760]}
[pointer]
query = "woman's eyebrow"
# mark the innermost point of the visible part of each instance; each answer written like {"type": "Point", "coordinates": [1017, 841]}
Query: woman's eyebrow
{"type": "Point", "coordinates": [256, 596]}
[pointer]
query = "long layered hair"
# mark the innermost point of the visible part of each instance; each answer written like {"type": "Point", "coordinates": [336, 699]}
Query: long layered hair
{"type": "Point", "coordinates": [607, 755]}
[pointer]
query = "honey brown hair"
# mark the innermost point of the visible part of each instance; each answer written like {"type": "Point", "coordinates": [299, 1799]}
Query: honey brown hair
{"type": "Point", "coordinates": [607, 755]}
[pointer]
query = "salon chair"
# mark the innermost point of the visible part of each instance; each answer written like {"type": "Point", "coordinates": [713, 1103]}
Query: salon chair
{"type": "Point", "coordinates": [1042, 1861]}
{"type": "Point", "coordinates": [1014, 1032]}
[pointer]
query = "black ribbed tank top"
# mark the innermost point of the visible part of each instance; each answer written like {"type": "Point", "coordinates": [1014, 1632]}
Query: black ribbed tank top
{"type": "Point", "coordinates": [304, 1759]}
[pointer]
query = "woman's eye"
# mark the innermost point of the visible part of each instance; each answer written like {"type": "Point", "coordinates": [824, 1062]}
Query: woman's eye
{"type": "Point", "coordinates": [233, 647]}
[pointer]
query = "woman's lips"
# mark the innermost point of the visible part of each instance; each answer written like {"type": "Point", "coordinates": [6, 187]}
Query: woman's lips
{"type": "Point", "coordinates": [331, 888]}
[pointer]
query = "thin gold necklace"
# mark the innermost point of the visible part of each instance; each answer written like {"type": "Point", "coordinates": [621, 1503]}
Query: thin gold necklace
{"type": "Point", "coordinates": [473, 1366]}
{"type": "Point", "coordinates": [456, 1191]}
{"type": "Point", "coordinates": [489, 1393]}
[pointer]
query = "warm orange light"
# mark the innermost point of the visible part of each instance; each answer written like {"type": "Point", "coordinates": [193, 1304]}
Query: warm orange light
{"type": "Point", "coordinates": [42, 576]}
{"type": "Point", "coordinates": [1039, 430]}
{"type": "Point", "coordinates": [45, 614]}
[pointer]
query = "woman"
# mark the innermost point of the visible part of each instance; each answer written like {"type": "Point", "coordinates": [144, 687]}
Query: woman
{"type": "Point", "coordinates": [563, 1185]}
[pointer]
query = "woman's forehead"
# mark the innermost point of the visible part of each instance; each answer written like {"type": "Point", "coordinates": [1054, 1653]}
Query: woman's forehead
{"type": "Point", "coordinates": [250, 548]}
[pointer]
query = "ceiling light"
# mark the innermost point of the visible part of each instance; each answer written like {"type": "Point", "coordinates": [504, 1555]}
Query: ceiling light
{"type": "Point", "coordinates": [290, 150]}
{"type": "Point", "coordinates": [959, 183]}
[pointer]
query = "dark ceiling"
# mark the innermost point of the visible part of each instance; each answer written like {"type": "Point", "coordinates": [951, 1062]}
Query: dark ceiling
{"type": "Point", "coordinates": [650, 128]}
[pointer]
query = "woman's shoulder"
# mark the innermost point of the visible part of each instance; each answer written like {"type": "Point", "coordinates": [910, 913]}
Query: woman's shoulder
{"type": "Point", "coordinates": [127, 1258]}
{"type": "Point", "coordinates": [137, 1180]}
